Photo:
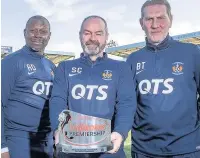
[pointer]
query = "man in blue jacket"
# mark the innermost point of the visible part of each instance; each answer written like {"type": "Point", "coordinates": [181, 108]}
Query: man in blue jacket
{"type": "Point", "coordinates": [26, 85]}
{"type": "Point", "coordinates": [167, 73]}
{"type": "Point", "coordinates": [95, 85]}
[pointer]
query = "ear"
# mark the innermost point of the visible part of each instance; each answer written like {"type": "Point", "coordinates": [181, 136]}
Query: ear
{"type": "Point", "coordinates": [141, 23]}
{"type": "Point", "coordinates": [107, 36]}
{"type": "Point", "coordinates": [171, 20]}
{"type": "Point", "coordinates": [49, 35]}
{"type": "Point", "coordinates": [24, 32]}
{"type": "Point", "coordinates": [80, 35]}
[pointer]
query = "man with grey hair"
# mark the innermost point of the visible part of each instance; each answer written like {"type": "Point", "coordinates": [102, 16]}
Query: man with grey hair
{"type": "Point", "coordinates": [97, 86]}
{"type": "Point", "coordinates": [167, 73]}
{"type": "Point", "coordinates": [26, 85]}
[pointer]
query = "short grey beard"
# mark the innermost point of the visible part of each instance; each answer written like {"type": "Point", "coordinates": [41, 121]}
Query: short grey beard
{"type": "Point", "coordinates": [86, 50]}
{"type": "Point", "coordinates": [92, 53]}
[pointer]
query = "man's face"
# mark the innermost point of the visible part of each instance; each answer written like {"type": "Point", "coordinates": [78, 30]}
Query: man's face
{"type": "Point", "coordinates": [37, 34]}
{"type": "Point", "coordinates": [156, 23]}
{"type": "Point", "coordinates": [93, 36]}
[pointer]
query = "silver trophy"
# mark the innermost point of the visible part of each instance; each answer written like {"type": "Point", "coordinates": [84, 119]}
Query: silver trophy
{"type": "Point", "coordinates": [79, 133]}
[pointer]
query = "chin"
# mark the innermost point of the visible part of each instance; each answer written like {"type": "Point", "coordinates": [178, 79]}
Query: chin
{"type": "Point", "coordinates": [92, 52]}
{"type": "Point", "coordinates": [37, 49]}
{"type": "Point", "coordinates": [156, 40]}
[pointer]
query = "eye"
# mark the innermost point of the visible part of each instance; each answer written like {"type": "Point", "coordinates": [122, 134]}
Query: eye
{"type": "Point", "coordinates": [86, 33]}
{"type": "Point", "coordinates": [32, 31]}
{"type": "Point", "coordinates": [99, 34]}
{"type": "Point", "coordinates": [43, 32]}
{"type": "Point", "coordinates": [161, 17]}
{"type": "Point", "coordinates": [149, 19]}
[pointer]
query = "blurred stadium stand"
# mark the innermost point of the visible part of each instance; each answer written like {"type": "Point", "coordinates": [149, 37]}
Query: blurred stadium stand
{"type": "Point", "coordinates": [55, 56]}
{"type": "Point", "coordinates": [116, 52]}
{"type": "Point", "coordinates": [58, 56]}
{"type": "Point", "coordinates": [124, 51]}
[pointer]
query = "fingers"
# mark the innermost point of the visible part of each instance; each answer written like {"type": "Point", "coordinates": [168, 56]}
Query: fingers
{"type": "Point", "coordinates": [5, 155]}
{"type": "Point", "coordinates": [115, 149]}
{"type": "Point", "coordinates": [116, 139]}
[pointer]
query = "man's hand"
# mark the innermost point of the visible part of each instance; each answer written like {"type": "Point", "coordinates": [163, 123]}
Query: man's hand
{"type": "Point", "coordinates": [5, 155]}
{"type": "Point", "coordinates": [116, 139]}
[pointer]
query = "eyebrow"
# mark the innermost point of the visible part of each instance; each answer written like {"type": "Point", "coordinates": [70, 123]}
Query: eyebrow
{"type": "Point", "coordinates": [151, 17]}
{"type": "Point", "coordinates": [159, 15]}
{"type": "Point", "coordinates": [91, 32]}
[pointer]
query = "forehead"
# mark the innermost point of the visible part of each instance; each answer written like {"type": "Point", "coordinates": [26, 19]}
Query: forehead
{"type": "Point", "coordinates": [157, 9]}
{"type": "Point", "coordinates": [37, 23]}
{"type": "Point", "coordinates": [93, 25]}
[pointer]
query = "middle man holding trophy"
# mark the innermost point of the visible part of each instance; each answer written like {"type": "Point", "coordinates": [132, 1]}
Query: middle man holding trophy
{"type": "Point", "coordinates": [93, 99]}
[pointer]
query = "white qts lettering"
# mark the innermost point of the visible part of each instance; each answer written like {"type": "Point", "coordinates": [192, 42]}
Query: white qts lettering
{"type": "Point", "coordinates": [146, 86]}
{"type": "Point", "coordinates": [79, 91]}
{"type": "Point", "coordinates": [42, 88]}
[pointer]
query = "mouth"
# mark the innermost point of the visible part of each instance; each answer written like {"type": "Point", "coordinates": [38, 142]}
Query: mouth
{"type": "Point", "coordinates": [157, 32]}
{"type": "Point", "coordinates": [92, 48]}
{"type": "Point", "coordinates": [91, 45]}
{"type": "Point", "coordinates": [37, 42]}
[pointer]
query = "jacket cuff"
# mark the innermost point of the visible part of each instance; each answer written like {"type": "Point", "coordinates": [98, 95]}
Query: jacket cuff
{"type": "Point", "coordinates": [4, 150]}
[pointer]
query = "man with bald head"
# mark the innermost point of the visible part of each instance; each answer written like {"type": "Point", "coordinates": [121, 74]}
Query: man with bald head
{"type": "Point", "coordinates": [97, 86]}
{"type": "Point", "coordinates": [26, 87]}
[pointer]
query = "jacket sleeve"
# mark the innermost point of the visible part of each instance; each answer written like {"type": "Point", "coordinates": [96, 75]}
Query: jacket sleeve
{"type": "Point", "coordinates": [4, 147]}
{"type": "Point", "coordinates": [59, 95]}
{"type": "Point", "coordinates": [126, 101]}
{"type": "Point", "coordinates": [132, 64]}
{"type": "Point", "coordinates": [197, 69]}
{"type": "Point", "coordinates": [9, 73]}
{"type": "Point", "coordinates": [197, 74]}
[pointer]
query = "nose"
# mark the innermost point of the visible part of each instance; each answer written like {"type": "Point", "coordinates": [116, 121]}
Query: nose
{"type": "Point", "coordinates": [93, 37]}
{"type": "Point", "coordinates": [37, 33]}
{"type": "Point", "coordinates": [155, 23]}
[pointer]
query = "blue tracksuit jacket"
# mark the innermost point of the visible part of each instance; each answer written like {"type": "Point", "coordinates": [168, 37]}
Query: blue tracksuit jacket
{"type": "Point", "coordinates": [167, 117]}
{"type": "Point", "coordinates": [98, 89]}
{"type": "Point", "coordinates": [26, 85]}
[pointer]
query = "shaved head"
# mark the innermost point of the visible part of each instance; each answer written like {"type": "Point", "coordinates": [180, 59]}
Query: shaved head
{"type": "Point", "coordinates": [94, 17]}
{"type": "Point", "coordinates": [38, 18]}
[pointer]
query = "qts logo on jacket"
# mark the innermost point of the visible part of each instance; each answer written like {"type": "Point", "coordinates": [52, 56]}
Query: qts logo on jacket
{"type": "Point", "coordinates": [152, 86]}
{"type": "Point", "coordinates": [40, 88]}
{"type": "Point", "coordinates": [86, 92]}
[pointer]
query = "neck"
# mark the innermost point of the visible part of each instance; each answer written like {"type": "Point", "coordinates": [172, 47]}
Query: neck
{"type": "Point", "coordinates": [40, 52]}
{"type": "Point", "coordinates": [157, 43]}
